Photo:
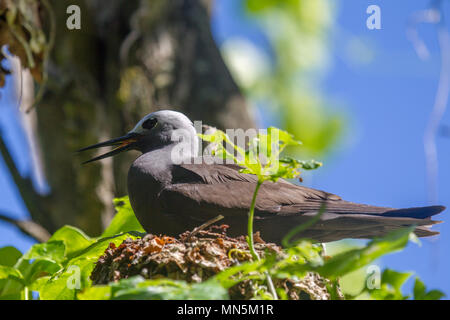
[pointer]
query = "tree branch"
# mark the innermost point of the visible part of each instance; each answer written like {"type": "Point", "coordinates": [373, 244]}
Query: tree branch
{"type": "Point", "coordinates": [28, 227]}
{"type": "Point", "coordinates": [29, 195]}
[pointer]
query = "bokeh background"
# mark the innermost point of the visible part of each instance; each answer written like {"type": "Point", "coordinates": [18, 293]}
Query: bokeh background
{"type": "Point", "coordinates": [359, 99]}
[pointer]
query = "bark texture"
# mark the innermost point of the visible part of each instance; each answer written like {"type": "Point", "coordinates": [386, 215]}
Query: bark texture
{"type": "Point", "coordinates": [128, 59]}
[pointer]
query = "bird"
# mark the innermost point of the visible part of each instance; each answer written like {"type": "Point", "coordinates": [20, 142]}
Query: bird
{"type": "Point", "coordinates": [172, 190]}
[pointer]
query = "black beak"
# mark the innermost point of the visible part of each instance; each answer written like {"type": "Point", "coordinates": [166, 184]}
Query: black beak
{"type": "Point", "coordinates": [121, 144]}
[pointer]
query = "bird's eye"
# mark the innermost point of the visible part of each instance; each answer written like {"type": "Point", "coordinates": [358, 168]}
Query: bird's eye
{"type": "Point", "coordinates": [149, 123]}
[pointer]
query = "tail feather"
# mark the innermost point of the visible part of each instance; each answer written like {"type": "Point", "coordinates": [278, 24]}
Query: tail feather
{"type": "Point", "coordinates": [356, 221]}
{"type": "Point", "coordinates": [416, 213]}
{"type": "Point", "coordinates": [424, 231]}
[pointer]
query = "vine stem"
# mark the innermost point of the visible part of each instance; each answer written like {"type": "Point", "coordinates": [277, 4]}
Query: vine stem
{"type": "Point", "coordinates": [251, 213]}
{"type": "Point", "coordinates": [26, 293]}
{"type": "Point", "coordinates": [250, 241]}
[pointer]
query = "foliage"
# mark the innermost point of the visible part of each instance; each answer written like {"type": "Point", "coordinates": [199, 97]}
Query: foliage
{"type": "Point", "coordinates": [21, 30]}
{"type": "Point", "coordinates": [262, 155]}
{"type": "Point", "coordinates": [160, 289]}
{"type": "Point", "coordinates": [261, 158]}
{"type": "Point", "coordinates": [391, 288]}
{"type": "Point", "coordinates": [60, 269]}
{"type": "Point", "coordinates": [284, 76]}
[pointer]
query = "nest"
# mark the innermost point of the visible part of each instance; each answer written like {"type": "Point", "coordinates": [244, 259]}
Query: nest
{"type": "Point", "coordinates": [196, 257]}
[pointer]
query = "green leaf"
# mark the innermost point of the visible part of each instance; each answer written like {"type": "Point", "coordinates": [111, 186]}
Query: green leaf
{"type": "Point", "coordinates": [263, 155]}
{"type": "Point", "coordinates": [38, 284]}
{"type": "Point", "coordinates": [11, 296]}
{"type": "Point", "coordinates": [136, 288]}
{"type": "Point", "coordinates": [304, 257]}
{"type": "Point", "coordinates": [391, 286]}
{"type": "Point", "coordinates": [11, 283]}
{"type": "Point", "coordinates": [208, 290]}
{"type": "Point", "coordinates": [8, 272]}
{"type": "Point", "coordinates": [260, 5]}
{"type": "Point", "coordinates": [124, 220]}
{"type": "Point", "coordinates": [434, 295]}
{"type": "Point", "coordinates": [95, 293]}
{"type": "Point", "coordinates": [56, 289]}
{"type": "Point", "coordinates": [73, 238]}
{"type": "Point", "coordinates": [53, 250]}
{"type": "Point", "coordinates": [395, 279]}
{"type": "Point", "coordinates": [283, 136]}
{"type": "Point", "coordinates": [9, 256]}
{"type": "Point", "coordinates": [65, 284]}
{"type": "Point", "coordinates": [233, 275]}
{"type": "Point", "coordinates": [420, 292]}
{"type": "Point", "coordinates": [40, 268]}
{"type": "Point", "coordinates": [419, 289]}
{"type": "Point", "coordinates": [75, 276]}
{"type": "Point", "coordinates": [352, 260]}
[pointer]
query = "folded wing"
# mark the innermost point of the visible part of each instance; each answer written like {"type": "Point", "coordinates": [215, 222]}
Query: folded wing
{"type": "Point", "coordinates": [203, 191]}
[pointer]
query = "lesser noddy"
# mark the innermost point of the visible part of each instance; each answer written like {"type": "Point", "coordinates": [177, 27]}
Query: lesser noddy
{"type": "Point", "coordinates": [171, 193]}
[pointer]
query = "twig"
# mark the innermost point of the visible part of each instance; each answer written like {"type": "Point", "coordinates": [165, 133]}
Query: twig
{"type": "Point", "coordinates": [33, 201]}
{"type": "Point", "coordinates": [205, 225]}
{"type": "Point", "coordinates": [250, 222]}
{"type": "Point", "coordinates": [24, 184]}
{"type": "Point", "coordinates": [250, 241]}
{"type": "Point", "coordinates": [28, 227]}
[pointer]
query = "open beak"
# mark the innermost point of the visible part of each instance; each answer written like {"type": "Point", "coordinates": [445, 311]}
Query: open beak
{"type": "Point", "coordinates": [121, 144]}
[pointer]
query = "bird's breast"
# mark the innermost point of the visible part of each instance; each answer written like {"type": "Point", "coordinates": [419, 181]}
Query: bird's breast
{"type": "Point", "coordinates": [147, 177]}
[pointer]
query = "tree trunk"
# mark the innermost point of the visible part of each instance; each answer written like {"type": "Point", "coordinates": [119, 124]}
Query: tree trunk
{"type": "Point", "coordinates": [128, 59]}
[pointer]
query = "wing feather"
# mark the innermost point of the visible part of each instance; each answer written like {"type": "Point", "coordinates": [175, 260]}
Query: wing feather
{"type": "Point", "coordinates": [203, 191]}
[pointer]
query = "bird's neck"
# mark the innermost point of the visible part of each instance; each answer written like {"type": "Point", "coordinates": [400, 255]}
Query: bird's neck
{"type": "Point", "coordinates": [155, 164]}
{"type": "Point", "coordinates": [158, 162]}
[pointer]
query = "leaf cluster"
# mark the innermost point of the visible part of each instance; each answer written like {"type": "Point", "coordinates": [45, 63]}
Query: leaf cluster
{"type": "Point", "coordinates": [61, 268]}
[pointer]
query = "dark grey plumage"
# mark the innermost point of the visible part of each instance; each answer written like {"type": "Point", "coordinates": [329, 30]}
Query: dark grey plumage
{"type": "Point", "coordinates": [187, 195]}
{"type": "Point", "coordinates": [170, 198]}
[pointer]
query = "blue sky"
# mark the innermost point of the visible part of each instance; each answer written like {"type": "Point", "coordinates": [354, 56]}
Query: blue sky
{"type": "Point", "coordinates": [388, 101]}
